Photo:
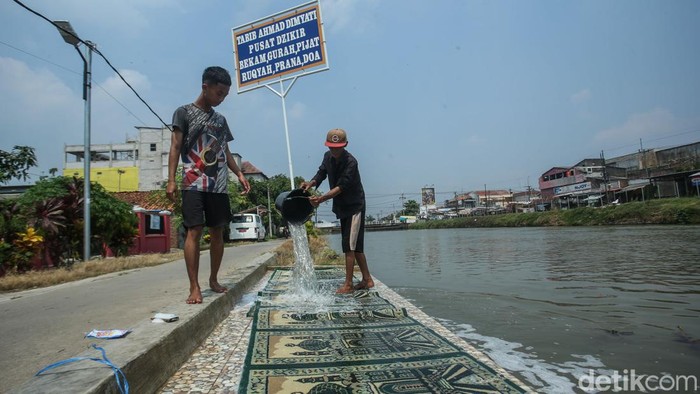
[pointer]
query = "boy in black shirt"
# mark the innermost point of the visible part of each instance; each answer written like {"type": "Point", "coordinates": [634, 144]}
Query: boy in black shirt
{"type": "Point", "coordinates": [348, 205]}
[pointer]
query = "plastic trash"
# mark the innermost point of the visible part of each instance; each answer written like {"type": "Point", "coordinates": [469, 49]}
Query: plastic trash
{"type": "Point", "coordinates": [107, 334]}
{"type": "Point", "coordinates": [164, 318]}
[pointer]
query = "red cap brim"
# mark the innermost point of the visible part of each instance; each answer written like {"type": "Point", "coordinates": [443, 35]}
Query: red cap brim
{"type": "Point", "coordinates": [336, 144]}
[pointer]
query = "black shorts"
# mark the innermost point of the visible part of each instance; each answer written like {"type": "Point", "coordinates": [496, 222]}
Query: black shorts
{"type": "Point", "coordinates": [352, 229]}
{"type": "Point", "coordinates": [202, 208]}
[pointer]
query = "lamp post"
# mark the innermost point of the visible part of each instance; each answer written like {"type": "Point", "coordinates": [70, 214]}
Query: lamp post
{"type": "Point", "coordinates": [70, 37]}
{"type": "Point", "coordinates": [120, 172]}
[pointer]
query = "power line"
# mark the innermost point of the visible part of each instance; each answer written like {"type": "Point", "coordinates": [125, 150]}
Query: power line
{"type": "Point", "coordinates": [40, 58]}
{"type": "Point", "coordinates": [77, 73]}
{"type": "Point", "coordinates": [101, 55]}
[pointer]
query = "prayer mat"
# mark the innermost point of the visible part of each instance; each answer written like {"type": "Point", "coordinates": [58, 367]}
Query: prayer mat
{"type": "Point", "coordinates": [374, 348]}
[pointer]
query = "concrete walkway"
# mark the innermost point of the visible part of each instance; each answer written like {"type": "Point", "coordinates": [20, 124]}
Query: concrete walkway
{"type": "Point", "coordinates": [43, 326]}
{"type": "Point", "coordinates": [218, 364]}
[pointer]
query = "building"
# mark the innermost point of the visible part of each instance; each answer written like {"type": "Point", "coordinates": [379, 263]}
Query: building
{"type": "Point", "coordinates": [669, 170]}
{"type": "Point", "coordinates": [252, 173]}
{"type": "Point", "coordinates": [584, 183]}
{"type": "Point", "coordinates": [138, 164]}
{"type": "Point", "coordinates": [490, 199]}
{"type": "Point", "coordinates": [664, 172]}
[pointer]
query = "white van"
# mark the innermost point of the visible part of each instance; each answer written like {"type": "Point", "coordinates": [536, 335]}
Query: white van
{"type": "Point", "coordinates": [246, 226]}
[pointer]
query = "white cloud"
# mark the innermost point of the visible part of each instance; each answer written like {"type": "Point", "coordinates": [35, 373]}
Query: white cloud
{"type": "Point", "coordinates": [297, 110]}
{"type": "Point", "coordinates": [30, 90]}
{"type": "Point", "coordinates": [38, 110]}
{"type": "Point", "coordinates": [115, 86]}
{"type": "Point", "coordinates": [581, 96]}
{"type": "Point", "coordinates": [655, 124]}
{"type": "Point", "coordinates": [473, 139]}
{"type": "Point", "coordinates": [341, 15]}
{"type": "Point", "coordinates": [128, 17]}
{"type": "Point", "coordinates": [116, 109]}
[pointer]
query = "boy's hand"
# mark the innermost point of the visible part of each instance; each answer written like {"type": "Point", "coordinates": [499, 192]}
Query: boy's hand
{"type": "Point", "coordinates": [305, 186]}
{"type": "Point", "coordinates": [170, 190]}
{"type": "Point", "coordinates": [315, 201]}
{"type": "Point", "coordinates": [244, 183]}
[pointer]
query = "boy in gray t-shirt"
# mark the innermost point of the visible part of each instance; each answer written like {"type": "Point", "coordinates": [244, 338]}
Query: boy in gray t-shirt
{"type": "Point", "coordinates": [200, 139]}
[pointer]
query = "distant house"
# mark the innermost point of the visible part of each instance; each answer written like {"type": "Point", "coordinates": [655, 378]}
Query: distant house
{"type": "Point", "coordinates": [589, 177]}
{"type": "Point", "coordinates": [668, 169]}
{"type": "Point", "coordinates": [252, 172]}
{"type": "Point", "coordinates": [491, 198]}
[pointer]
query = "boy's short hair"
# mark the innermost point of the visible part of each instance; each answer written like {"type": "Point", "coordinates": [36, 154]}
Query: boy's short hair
{"type": "Point", "coordinates": [215, 74]}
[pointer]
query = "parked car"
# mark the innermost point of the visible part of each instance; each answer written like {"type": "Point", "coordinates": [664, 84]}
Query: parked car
{"type": "Point", "coordinates": [246, 226]}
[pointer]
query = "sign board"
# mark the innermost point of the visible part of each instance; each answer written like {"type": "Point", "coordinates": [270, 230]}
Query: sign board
{"type": "Point", "coordinates": [279, 47]}
{"type": "Point", "coordinates": [579, 187]}
{"type": "Point", "coordinates": [695, 181]}
{"type": "Point", "coordinates": [427, 196]}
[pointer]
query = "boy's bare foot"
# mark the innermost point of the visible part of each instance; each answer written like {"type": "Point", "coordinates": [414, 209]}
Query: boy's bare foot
{"type": "Point", "coordinates": [217, 287]}
{"type": "Point", "coordinates": [362, 285]}
{"type": "Point", "coordinates": [344, 289]}
{"type": "Point", "coordinates": [195, 297]}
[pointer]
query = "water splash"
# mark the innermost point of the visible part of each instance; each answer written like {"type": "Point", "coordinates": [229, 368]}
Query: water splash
{"type": "Point", "coordinates": [303, 274]}
{"type": "Point", "coordinates": [306, 294]}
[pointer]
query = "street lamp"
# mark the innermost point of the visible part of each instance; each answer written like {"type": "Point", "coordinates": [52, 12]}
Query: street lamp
{"type": "Point", "coordinates": [70, 37]}
{"type": "Point", "coordinates": [120, 172]}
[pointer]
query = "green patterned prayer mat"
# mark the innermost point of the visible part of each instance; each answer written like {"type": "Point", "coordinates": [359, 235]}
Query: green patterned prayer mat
{"type": "Point", "coordinates": [374, 348]}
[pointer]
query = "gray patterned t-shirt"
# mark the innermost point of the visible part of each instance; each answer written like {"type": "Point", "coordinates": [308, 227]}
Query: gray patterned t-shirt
{"type": "Point", "coordinates": [204, 144]}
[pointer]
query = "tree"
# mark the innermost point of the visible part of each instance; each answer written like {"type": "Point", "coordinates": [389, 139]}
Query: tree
{"type": "Point", "coordinates": [55, 207]}
{"type": "Point", "coordinates": [16, 164]}
{"type": "Point", "coordinates": [411, 208]}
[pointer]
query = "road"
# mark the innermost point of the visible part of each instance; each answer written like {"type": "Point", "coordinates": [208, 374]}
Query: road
{"type": "Point", "coordinates": [41, 326]}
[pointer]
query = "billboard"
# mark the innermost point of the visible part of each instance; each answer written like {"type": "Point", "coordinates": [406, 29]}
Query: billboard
{"type": "Point", "coordinates": [279, 47]}
{"type": "Point", "coordinates": [579, 187]}
{"type": "Point", "coordinates": [428, 196]}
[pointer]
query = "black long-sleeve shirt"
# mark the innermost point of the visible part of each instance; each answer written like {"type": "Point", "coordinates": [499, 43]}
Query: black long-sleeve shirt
{"type": "Point", "coordinates": [344, 173]}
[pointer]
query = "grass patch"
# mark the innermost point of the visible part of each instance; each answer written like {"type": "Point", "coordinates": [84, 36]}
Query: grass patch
{"type": "Point", "coordinates": [82, 270]}
{"type": "Point", "coordinates": [660, 211]}
{"type": "Point", "coordinates": [320, 253]}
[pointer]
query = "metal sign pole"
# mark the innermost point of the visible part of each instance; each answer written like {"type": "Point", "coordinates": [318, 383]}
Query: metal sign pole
{"type": "Point", "coordinates": [283, 94]}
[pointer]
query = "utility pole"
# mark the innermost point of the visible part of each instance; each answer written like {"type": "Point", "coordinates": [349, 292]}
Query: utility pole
{"type": "Point", "coordinates": [403, 206]}
{"type": "Point", "coordinates": [269, 210]}
{"type": "Point", "coordinates": [605, 176]}
{"type": "Point", "coordinates": [120, 172]}
{"type": "Point", "coordinates": [486, 196]}
{"type": "Point", "coordinates": [70, 37]}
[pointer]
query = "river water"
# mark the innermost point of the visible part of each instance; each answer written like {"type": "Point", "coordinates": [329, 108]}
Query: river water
{"type": "Point", "coordinates": [553, 304]}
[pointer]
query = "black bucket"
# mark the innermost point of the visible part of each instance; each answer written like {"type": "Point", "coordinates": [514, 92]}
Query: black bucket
{"type": "Point", "coordinates": [295, 206]}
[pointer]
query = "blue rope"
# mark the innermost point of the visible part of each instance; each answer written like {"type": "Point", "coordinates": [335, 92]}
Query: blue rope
{"type": "Point", "coordinates": [122, 383]}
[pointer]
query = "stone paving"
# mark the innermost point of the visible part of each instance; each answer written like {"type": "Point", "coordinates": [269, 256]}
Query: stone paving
{"type": "Point", "coordinates": [216, 366]}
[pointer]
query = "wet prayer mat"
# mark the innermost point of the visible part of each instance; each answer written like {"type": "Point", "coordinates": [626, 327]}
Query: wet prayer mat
{"type": "Point", "coordinates": [372, 348]}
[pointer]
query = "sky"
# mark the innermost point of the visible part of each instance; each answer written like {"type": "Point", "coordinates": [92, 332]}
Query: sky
{"type": "Point", "coordinates": [458, 95]}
